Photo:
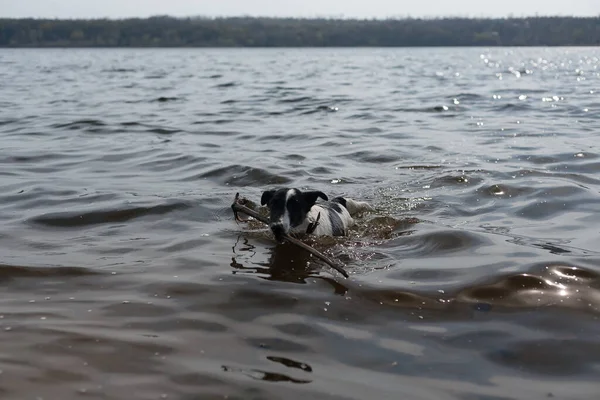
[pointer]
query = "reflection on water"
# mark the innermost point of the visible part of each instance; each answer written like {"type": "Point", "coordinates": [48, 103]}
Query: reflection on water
{"type": "Point", "coordinates": [124, 275]}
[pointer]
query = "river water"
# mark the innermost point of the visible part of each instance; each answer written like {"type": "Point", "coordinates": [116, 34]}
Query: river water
{"type": "Point", "coordinates": [124, 276]}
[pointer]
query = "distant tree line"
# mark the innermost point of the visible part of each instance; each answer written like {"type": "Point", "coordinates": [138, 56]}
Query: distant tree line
{"type": "Point", "coordinates": [165, 31]}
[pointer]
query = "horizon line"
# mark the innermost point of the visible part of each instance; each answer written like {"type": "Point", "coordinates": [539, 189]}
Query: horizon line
{"type": "Point", "coordinates": [315, 17]}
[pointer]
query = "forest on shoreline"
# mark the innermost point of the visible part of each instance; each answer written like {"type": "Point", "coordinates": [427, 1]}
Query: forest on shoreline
{"type": "Point", "coordinates": [164, 31]}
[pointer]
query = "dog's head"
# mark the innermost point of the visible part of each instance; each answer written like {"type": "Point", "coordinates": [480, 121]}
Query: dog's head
{"type": "Point", "coordinates": [288, 208]}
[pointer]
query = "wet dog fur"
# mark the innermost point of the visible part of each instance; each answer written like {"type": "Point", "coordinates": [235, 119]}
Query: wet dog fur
{"type": "Point", "coordinates": [292, 211]}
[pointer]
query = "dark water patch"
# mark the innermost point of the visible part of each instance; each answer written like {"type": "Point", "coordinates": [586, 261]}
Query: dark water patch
{"type": "Point", "coordinates": [121, 70]}
{"type": "Point", "coordinates": [300, 99]}
{"type": "Point", "coordinates": [164, 99]}
{"type": "Point", "coordinates": [457, 179]}
{"type": "Point", "coordinates": [216, 133]}
{"type": "Point", "coordinates": [8, 121]}
{"type": "Point", "coordinates": [163, 131]}
{"type": "Point", "coordinates": [321, 171]}
{"type": "Point", "coordinates": [290, 363]}
{"type": "Point", "coordinates": [363, 116]}
{"type": "Point", "coordinates": [540, 159]}
{"type": "Point", "coordinates": [288, 137]}
{"type": "Point", "coordinates": [543, 209]}
{"type": "Point", "coordinates": [554, 357]}
{"type": "Point", "coordinates": [553, 246]}
{"type": "Point", "coordinates": [264, 375]}
{"type": "Point", "coordinates": [549, 176]}
{"type": "Point", "coordinates": [423, 275]}
{"type": "Point", "coordinates": [329, 109]}
{"type": "Point", "coordinates": [465, 97]}
{"type": "Point", "coordinates": [429, 110]}
{"type": "Point", "coordinates": [79, 124]}
{"type": "Point", "coordinates": [9, 272]}
{"type": "Point", "coordinates": [219, 121]}
{"type": "Point", "coordinates": [370, 129]}
{"type": "Point", "coordinates": [226, 85]}
{"type": "Point", "coordinates": [86, 218]}
{"type": "Point", "coordinates": [591, 168]}
{"type": "Point", "coordinates": [166, 325]}
{"type": "Point", "coordinates": [368, 156]}
{"type": "Point", "coordinates": [174, 161]}
{"type": "Point", "coordinates": [20, 193]}
{"type": "Point", "coordinates": [62, 101]}
{"type": "Point", "coordinates": [240, 175]}
{"type": "Point", "coordinates": [34, 158]}
{"type": "Point", "coordinates": [501, 190]}
{"type": "Point", "coordinates": [122, 156]}
{"type": "Point", "coordinates": [439, 243]}
{"type": "Point", "coordinates": [277, 345]}
{"type": "Point", "coordinates": [549, 286]}
{"type": "Point", "coordinates": [512, 107]}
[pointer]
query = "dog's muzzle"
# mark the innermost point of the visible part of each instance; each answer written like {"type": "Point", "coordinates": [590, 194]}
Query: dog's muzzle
{"type": "Point", "coordinates": [278, 231]}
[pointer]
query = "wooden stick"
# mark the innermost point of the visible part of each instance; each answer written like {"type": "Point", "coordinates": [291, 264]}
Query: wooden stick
{"type": "Point", "coordinates": [237, 207]}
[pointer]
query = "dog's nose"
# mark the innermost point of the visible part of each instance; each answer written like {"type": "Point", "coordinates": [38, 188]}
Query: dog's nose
{"type": "Point", "coordinates": [278, 231]}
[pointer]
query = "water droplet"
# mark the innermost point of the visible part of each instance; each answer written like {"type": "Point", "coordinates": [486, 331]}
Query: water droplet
{"type": "Point", "coordinates": [496, 190]}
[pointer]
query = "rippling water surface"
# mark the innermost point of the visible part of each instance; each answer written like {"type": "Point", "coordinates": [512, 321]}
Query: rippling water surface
{"type": "Point", "coordinates": [124, 276]}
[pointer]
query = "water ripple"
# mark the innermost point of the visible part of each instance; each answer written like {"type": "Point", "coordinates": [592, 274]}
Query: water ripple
{"type": "Point", "coordinates": [120, 258]}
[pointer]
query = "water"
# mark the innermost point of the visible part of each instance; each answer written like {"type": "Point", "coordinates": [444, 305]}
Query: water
{"type": "Point", "coordinates": [124, 275]}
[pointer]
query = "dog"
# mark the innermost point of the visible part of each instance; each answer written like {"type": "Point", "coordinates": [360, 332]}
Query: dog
{"type": "Point", "coordinates": [292, 211]}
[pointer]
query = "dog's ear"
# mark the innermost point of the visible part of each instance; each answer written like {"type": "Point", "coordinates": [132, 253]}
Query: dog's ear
{"type": "Point", "coordinates": [311, 197]}
{"type": "Point", "coordinates": [266, 197]}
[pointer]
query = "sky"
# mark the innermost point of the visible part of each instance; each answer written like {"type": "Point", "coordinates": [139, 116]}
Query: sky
{"type": "Point", "coordinates": [295, 8]}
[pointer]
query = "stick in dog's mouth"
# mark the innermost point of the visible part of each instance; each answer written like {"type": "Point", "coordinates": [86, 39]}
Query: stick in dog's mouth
{"type": "Point", "coordinates": [239, 206]}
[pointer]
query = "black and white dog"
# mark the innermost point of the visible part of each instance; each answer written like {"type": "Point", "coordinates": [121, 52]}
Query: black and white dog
{"type": "Point", "coordinates": [295, 212]}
